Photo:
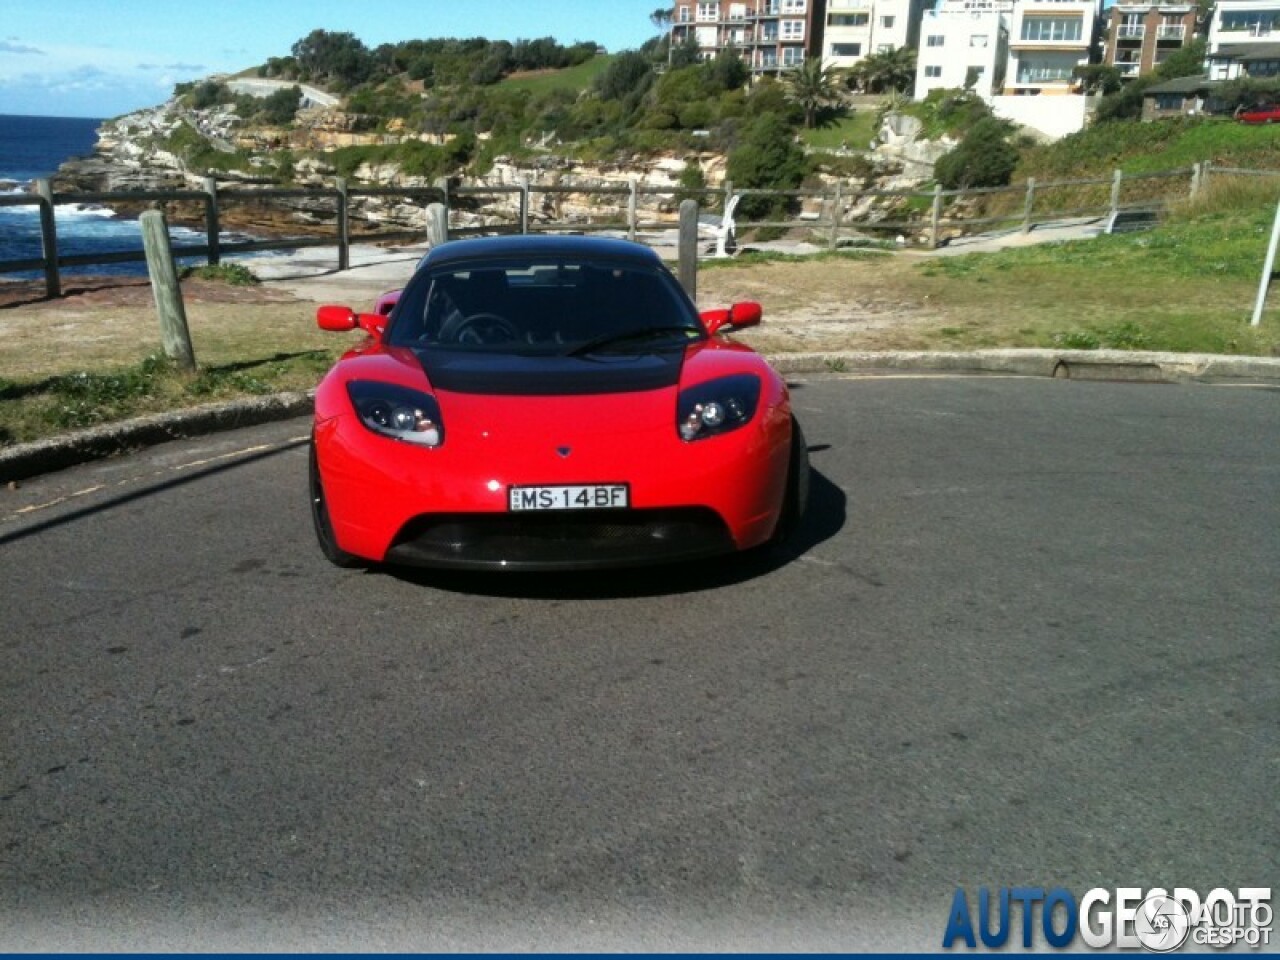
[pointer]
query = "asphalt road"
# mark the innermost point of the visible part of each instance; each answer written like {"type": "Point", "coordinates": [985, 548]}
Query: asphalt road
{"type": "Point", "coordinates": [1031, 638]}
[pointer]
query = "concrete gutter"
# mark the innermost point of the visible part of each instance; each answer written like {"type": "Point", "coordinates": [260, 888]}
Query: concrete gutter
{"type": "Point", "coordinates": [56, 453]}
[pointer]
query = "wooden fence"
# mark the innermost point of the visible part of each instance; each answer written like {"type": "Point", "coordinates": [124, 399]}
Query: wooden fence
{"type": "Point", "coordinates": [932, 214]}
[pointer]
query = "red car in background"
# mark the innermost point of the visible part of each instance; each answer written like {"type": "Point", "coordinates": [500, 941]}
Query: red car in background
{"type": "Point", "coordinates": [550, 403]}
{"type": "Point", "coordinates": [1268, 113]}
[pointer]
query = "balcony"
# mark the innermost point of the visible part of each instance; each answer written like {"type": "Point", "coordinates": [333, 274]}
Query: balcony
{"type": "Point", "coordinates": [1128, 69]}
{"type": "Point", "coordinates": [1131, 32]}
{"type": "Point", "coordinates": [1174, 32]}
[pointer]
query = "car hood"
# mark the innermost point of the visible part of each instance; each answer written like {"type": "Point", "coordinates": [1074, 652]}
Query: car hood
{"type": "Point", "coordinates": [505, 374]}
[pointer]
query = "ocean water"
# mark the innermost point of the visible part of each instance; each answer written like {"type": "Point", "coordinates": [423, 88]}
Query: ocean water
{"type": "Point", "coordinates": [34, 147]}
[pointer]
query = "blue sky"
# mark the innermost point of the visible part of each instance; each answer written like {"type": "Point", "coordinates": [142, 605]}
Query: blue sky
{"type": "Point", "coordinates": [102, 58]}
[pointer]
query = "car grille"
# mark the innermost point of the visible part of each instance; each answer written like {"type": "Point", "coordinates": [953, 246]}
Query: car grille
{"type": "Point", "coordinates": [568, 540]}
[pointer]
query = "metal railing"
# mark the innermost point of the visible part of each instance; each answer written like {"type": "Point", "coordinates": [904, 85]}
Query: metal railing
{"type": "Point", "coordinates": [827, 212]}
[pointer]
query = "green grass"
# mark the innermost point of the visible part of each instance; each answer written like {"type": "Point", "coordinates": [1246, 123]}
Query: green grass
{"type": "Point", "coordinates": [1186, 287]}
{"type": "Point", "coordinates": [854, 131]}
{"type": "Point", "coordinates": [571, 78]}
{"type": "Point", "coordinates": [30, 410]}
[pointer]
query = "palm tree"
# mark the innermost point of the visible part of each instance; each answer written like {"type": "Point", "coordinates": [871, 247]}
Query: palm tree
{"type": "Point", "coordinates": [812, 86]}
{"type": "Point", "coordinates": [892, 70]}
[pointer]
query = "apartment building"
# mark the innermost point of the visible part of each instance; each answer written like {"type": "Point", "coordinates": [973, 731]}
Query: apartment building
{"type": "Point", "coordinates": [1239, 22]}
{"type": "Point", "coordinates": [964, 43]}
{"type": "Point", "coordinates": [854, 29]}
{"type": "Point", "coordinates": [769, 35]}
{"type": "Point", "coordinates": [1141, 35]}
{"type": "Point", "coordinates": [1048, 39]}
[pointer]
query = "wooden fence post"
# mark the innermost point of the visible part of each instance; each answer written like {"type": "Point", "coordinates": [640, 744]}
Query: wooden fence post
{"type": "Point", "coordinates": [728, 194]}
{"type": "Point", "coordinates": [437, 224]}
{"type": "Point", "coordinates": [688, 248]}
{"type": "Point", "coordinates": [631, 210]}
{"type": "Point", "coordinates": [1115, 192]}
{"type": "Point", "coordinates": [935, 215]}
{"type": "Point", "coordinates": [1029, 205]}
{"type": "Point", "coordinates": [442, 184]}
{"type": "Point", "coordinates": [837, 202]}
{"type": "Point", "coordinates": [1195, 181]}
{"type": "Point", "coordinates": [49, 239]}
{"type": "Point", "coordinates": [211, 220]}
{"type": "Point", "coordinates": [344, 225]}
{"type": "Point", "coordinates": [174, 334]}
{"type": "Point", "coordinates": [524, 205]}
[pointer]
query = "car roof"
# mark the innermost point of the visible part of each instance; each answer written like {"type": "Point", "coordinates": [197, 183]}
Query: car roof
{"type": "Point", "coordinates": [522, 246]}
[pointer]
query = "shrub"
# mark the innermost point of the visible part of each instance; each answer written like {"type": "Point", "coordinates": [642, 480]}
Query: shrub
{"type": "Point", "coordinates": [984, 158]}
{"type": "Point", "coordinates": [768, 158]}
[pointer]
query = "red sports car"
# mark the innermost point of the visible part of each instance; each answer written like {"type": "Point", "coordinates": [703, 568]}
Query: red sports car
{"type": "Point", "coordinates": [550, 403]}
{"type": "Point", "coordinates": [1262, 113]}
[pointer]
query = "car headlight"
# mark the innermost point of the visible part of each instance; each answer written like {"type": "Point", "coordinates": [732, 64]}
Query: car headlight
{"type": "Point", "coordinates": [718, 406]}
{"type": "Point", "coordinates": [397, 412]}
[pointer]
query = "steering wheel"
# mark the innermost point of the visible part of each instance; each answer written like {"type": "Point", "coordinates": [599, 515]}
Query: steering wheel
{"type": "Point", "coordinates": [484, 328]}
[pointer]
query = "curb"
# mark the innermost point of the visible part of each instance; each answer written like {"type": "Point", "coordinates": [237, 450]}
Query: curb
{"type": "Point", "coordinates": [27, 460]}
{"type": "Point", "coordinates": [57, 453]}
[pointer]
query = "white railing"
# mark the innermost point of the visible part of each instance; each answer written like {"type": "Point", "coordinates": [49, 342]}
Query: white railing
{"type": "Point", "coordinates": [1173, 32]}
{"type": "Point", "coordinates": [1130, 32]}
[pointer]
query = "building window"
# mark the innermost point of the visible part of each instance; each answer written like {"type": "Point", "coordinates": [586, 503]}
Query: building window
{"type": "Point", "coordinates": [1052, 29]}
{"type": "Point", "coordinates": [978, 40]}
{"type": "Point", "coordinates": [708, 11]}
{"type": "Point", "coordinates": [793, 6]}
{"type": "Point", "coordinates": [792, 56]}
{"type": "Point", "coordinates": [847, 20]}
{"type": "Point", "coordinates": [1170, 101]}
{"type": "Point", "coordinates": [792, 29]}
{"type": "Point", "coordinates": [884, 48]}
{"type": "Point", "coordinates": [933, 72]}
{"type": "Point", "coordinates": [886, 23]}
{"type": "Point", "coordinates": [685, 15]}
{"type": "Point", "coordinates": [846, 50]}
{"type": "Point", "coordinates": [935, 39]}
{"type": "Point", "coordinates": [1044, 73]}
{"type": "Point", "coordinates": [1256, 23]}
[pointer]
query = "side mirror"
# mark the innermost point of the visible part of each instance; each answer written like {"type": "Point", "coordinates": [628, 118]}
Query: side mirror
{"type": "Point", "coordinates": [745, 314]}
{"type": "Point", "coordinates": [336, 318]}
{"type": "Point", "coordinates": [340, 319]}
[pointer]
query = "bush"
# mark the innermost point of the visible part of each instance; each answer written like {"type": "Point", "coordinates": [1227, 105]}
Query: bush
{"type": "Point", "coordinates": [767, 158]}
{"type": "Point", "coordinates": [984, 158]}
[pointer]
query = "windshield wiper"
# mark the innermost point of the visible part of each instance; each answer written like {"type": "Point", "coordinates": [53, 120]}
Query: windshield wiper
{"type": "Point", "coordinates": [591, 346]}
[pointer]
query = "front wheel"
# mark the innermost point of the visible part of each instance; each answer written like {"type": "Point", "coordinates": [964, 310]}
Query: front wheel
{"type": "Point", "coordinates": [320, 518]}
{"type": "Point", "coordinates": [796, 498]}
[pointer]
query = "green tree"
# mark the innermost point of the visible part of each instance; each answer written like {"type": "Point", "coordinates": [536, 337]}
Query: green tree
{"type": "Point", "coordinates": [767, 157]}
{"type": "Point", "coordinates": [984, 158]}
{"type": "Point", "coordinates": [812, 87]}
{"type": "Point", "coordinates": [892, 70]}
{"type": "Point", "coordinates": [627, 74]}
{"type": "Point", "coordinates": [1186, 61]}
{"type": "Point", "coordinates": [1098, 78]}
{"type": "Point", "coordinates": [339, 58]}
{"type": "Point", "coordinates": [280, 107]}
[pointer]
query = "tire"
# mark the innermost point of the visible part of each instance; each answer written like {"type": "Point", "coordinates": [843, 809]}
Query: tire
{"type": "Point", "coordinates": [795, 501]}
{"type": "Point", "coordinates": [320, 518]}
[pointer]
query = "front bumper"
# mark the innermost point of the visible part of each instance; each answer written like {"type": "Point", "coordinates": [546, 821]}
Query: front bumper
{"type": "Point", "coordinates": [447, 506]}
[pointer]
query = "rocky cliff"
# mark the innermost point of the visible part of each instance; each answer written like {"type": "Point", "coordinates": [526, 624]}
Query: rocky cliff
{"type": "Point", "coordinates": [173, 147]}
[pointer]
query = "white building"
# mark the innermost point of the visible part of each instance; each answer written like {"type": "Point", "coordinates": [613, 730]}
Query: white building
{"type": "Point", "coordinates": [854, 29]}
{"type": "Point", "coordinates": [1240, 22]}
{"type": "Point", "coordinates": [1048, 39]}
{"type": "Point", "coordinates": [964, 43]}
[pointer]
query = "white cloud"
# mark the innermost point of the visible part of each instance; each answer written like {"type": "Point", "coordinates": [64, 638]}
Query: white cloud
{"type": "Point", "coordinates": [12, 46]}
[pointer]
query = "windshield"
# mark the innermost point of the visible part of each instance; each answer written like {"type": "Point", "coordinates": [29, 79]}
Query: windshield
{"type": "Point", "coordinates": [558, 306]}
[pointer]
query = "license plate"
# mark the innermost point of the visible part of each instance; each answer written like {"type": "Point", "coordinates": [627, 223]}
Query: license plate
{"type": "Point", "coordinates": [586, 496]}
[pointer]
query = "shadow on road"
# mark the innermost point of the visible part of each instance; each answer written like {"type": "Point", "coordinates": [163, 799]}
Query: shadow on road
{"type": "Point", "coordinates": [823, 520]}
{"type": "Point", "coordinates": [110, 503]}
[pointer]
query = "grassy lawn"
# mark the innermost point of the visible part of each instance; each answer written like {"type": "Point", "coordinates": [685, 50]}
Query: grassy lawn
{"type": "Point", "coordinates": [854, 131]}
{"type": "Point", "coordinates": [571, 78]}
